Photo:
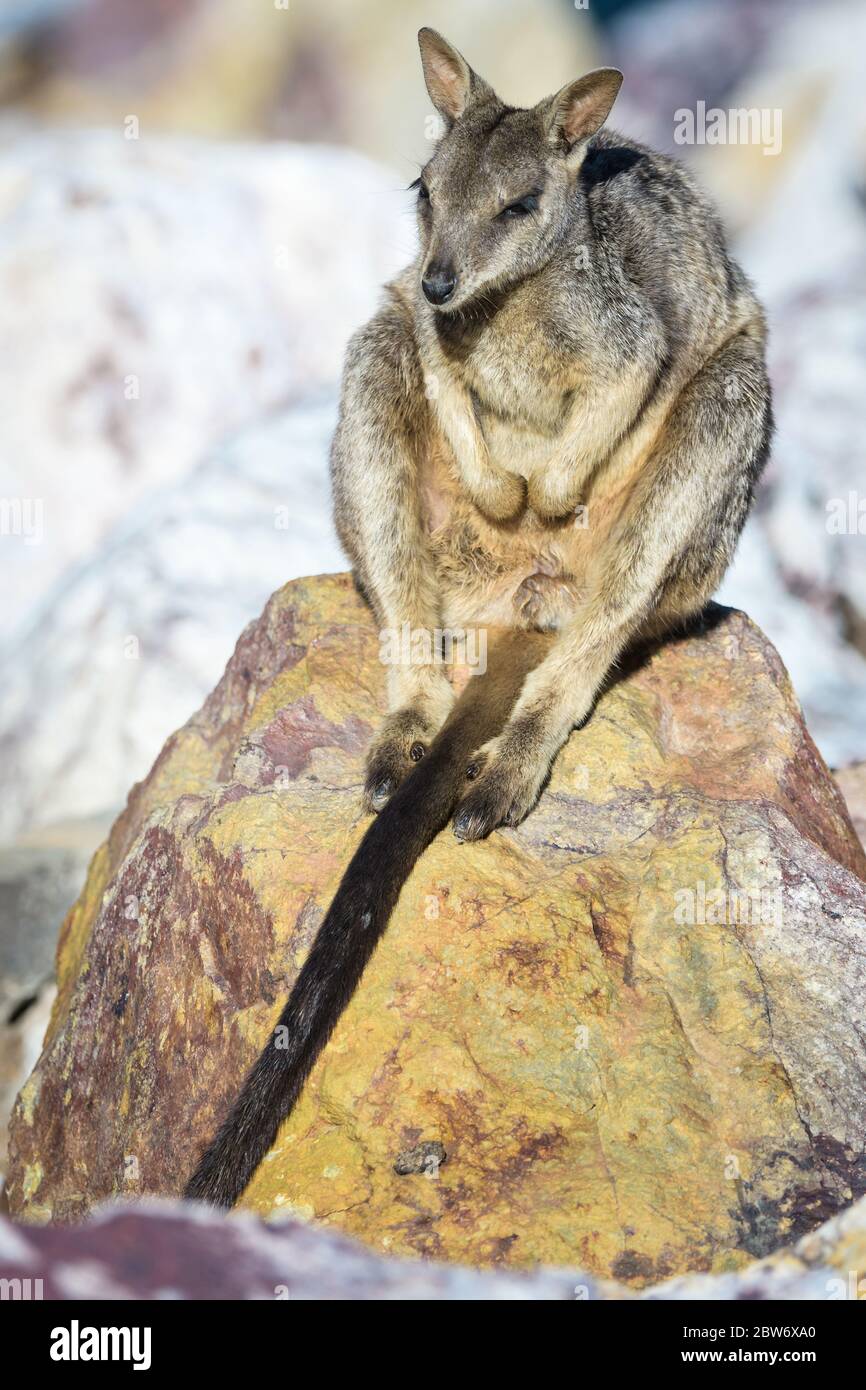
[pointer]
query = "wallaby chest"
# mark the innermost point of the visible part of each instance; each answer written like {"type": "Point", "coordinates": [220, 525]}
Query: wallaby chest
{"type": "Point", "coordinates": [521, 371]}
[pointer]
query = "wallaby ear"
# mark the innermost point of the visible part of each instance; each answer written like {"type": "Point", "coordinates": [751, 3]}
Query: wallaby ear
{"type": "Point", "coordinates": [582, 107]}
{"type": "Point", "coordinates": [450, 80]}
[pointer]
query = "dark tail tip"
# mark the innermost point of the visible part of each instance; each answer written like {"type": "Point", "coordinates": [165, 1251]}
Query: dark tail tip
{"type": "Point", "coordinates": [217, 1179]}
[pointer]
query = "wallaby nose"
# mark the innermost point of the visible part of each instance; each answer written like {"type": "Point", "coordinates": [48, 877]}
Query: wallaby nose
{"type": "Point", "coordinates": [438, 284]}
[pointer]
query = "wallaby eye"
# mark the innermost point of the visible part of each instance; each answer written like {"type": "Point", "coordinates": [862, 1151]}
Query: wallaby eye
{"type": "Point", "coordinates": [423, 190]}
{"type": "Point", "coordinates": [521, 207]}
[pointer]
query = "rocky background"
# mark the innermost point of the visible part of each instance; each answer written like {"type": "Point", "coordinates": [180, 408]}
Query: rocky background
{"type": "Point", "coordinates": [198, 199]}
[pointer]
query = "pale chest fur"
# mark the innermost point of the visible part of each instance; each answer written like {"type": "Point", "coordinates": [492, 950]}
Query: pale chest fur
{"type": "Point", "coordinates": [522, 375]}
{"type": "Point", "coordinates": [542, 401]}
{"type": "Point", "coordinates": [537, 409]}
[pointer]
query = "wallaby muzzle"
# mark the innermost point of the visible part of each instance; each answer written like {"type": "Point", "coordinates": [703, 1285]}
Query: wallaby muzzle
{"type": "Point", "coordinates": [438, 283]}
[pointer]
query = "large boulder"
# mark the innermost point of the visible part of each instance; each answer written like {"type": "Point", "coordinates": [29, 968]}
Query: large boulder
{"type": "Point", "coordinates": [160, 294]}
{"type": "Point", "coordinates": [634, 1024]}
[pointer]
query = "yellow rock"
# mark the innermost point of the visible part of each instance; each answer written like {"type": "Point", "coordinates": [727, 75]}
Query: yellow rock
{"type": "Point", "coordinates": [632, 1023]}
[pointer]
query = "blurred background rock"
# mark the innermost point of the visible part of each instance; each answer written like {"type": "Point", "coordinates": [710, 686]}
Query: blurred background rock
{"type": "Point", "coordinates": [198, 201]}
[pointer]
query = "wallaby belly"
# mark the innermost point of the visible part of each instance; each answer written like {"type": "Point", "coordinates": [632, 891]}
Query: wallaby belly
{"type": "Point", "coordinates": [529, 572]}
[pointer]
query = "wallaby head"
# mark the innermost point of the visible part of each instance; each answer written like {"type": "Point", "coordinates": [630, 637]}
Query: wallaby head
{"type": "Point", "coordinates": [499, 191]}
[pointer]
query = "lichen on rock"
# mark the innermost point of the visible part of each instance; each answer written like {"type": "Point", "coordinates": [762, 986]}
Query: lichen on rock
{"type": "Point", "coordinates": [633, 1024]}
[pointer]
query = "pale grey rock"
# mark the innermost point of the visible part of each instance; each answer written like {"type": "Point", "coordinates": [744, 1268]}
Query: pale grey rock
{"type": "Point", "coordinates": [157, 294]}
{"type": "Point", "coordinates": [129, 642]}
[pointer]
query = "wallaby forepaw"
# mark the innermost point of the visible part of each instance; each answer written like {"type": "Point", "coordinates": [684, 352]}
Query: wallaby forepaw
{"type": "Point", "coordinates": [402, 742]}
{"type": "Point", "coordinates": [503, 786]}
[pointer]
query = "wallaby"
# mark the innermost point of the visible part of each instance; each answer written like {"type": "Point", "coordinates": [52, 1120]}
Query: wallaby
{"type": "Point", "coordinates": [553, 425]}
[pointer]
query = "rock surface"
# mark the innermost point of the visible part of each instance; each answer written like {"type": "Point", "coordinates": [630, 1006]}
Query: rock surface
{"type": "Point", "coordinates": [39, 878]}
{"type": "Point", "coordinates": [162, 1249]}
{"type": "Point", "coordinates": [159, 294]}
{"type": "Point", "coordinates": [131, 641]}
{"type": "Point", "coordinates": [634, 1024]}
{"type": "Point", "coordinates": [852, 782]}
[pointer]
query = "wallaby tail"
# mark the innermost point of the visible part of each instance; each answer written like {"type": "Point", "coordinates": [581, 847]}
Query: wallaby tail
{"type": "Point", "coordinates": [357, 917]}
